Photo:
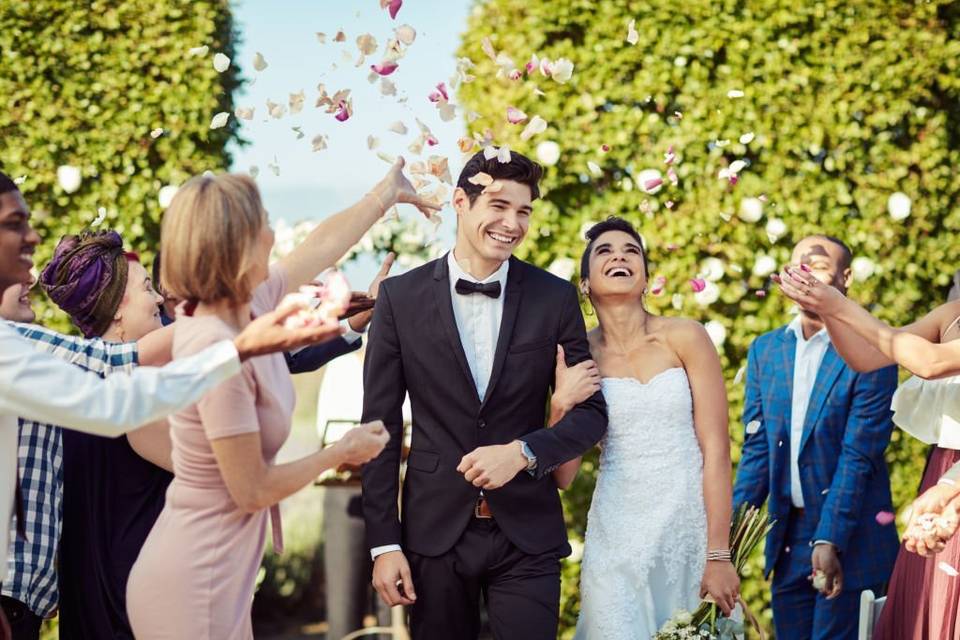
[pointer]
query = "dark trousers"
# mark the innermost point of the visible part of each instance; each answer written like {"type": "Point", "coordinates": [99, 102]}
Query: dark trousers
{"type": "Point", "coordinates": [521, 591]}
{"type": "Point", "coordinates": [799, 611]}
{"type": "Point", "coordinates": [24, 624]}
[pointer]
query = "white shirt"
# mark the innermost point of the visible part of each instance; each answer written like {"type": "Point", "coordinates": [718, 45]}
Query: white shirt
{"type": "Point", "coordinates": [809, 356]}
{"type": "Point", "coordinates": [478, 323]}
{"type": "Point", "coordinates": [43, 388]}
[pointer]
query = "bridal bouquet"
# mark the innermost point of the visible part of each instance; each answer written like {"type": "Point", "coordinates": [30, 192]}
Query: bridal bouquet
{"type": "Point", "coordinates": [748, 527]}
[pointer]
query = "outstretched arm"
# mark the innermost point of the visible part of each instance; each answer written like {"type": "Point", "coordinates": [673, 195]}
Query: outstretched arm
{"type": "Point", "coordinates": [868, 343]}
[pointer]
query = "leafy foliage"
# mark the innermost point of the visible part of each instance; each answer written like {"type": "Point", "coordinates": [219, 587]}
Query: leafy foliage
{"type": "Point", "coordinates": [848, 103]}
{"type": "Point", "coordinates": [87, 86]}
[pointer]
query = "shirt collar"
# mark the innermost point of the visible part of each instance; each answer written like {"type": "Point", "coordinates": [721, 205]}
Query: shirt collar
{"type": "Point", "coordinates": [796, 327]}
{"type": "Point", "coordinates": [457, 272]}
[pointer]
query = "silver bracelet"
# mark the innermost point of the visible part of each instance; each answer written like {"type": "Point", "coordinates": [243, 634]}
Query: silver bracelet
{"type": "Point", "coordinates": [719, 555]}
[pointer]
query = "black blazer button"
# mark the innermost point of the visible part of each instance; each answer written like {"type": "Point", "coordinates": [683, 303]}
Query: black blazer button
{"type": "Point", "coordinates": [482, 423]}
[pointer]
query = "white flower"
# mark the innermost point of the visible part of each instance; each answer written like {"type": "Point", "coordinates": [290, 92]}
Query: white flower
{"type": "Point", "coordinates": [548, 152]}
{"type": "Point", "coordinates": [165, 196]}
{"type": "Point", "coordinates": [563, 268]}
{"type": "Point", "coordinates": [562, 70]}
{"type": "Point", "coordinates": [898, 205]}
{"type": "Point", "coordinates": [650, 180]}
{"type": "Point", "coordinates": [751, 210]}
{"type": "Point", "coordinates": [862, 268]}
{"type": "Point", "coordinates": [764, 265]}
{"type": "Point", "coordinates": [717, 332]}
{"type": "Point", "coordinates": [220, 120]}
{"type": "Point", "coordinates": [712, 268]}
{"type": "Point", "coordinates": [776, 229]}
{"type": "Point", "coordinates": [747, 138]}
{"type": "Point", "coordinates": [709, 294]}
{"type": "Point", "coordinates": [69, 177]}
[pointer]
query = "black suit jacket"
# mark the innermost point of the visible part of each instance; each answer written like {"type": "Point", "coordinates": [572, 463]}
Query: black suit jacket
{"type": "Point", "coordinates": [317, 355]}
{"type": "Point", "coordinates": [414, 346]}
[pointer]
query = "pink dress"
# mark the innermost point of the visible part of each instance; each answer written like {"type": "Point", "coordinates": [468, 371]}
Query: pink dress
{"type": "Point", "coordinates": [196, 573]}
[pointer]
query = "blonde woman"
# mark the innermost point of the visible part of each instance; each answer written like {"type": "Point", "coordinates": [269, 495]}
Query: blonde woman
{"type": "Point", "coordinates": [195, 576]}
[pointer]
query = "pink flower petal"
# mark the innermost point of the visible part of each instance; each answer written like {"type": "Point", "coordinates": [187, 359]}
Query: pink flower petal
{"type": "Point", "coordinates": [431, 141]}
{"type": "Point", "coordinates": [652, 184]}
{"type": "Point", "coordinates": [344, 111]}
{"type": "Point", "coordinates": [393, 6]}
{"type": "Point", "coordinates": [658, 285]}
{"type": "Point", "coordinates": [698, 284]}
{"type": "Point", "coordinates": [672, 176]}
{"type": "Point", "coordinates": [761, 293]}
{"type": "Point", "coordinates": [884, 518]}
{"type": "Point", "coordinates": [439, 94]}
{"type": "Point", "coordinates": [669, 157]}
{"type": "Point", "coordinates": [516, 74]}
{"type": "Point", "coordinates": [668, 204]}
{"type": "Point", "coordinates": [604, 148]}
{"type": "Point", "coordinates": [515, 116]}
{"type": "Point", "coordinates": [385, 68]}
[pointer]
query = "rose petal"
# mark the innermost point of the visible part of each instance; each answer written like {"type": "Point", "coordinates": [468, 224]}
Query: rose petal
{"type": "Point", "coordinates": [439, 167]}
{"type": "Point", "coordinates": [156, 133]}
{"type": "Point", "coordinates": [406, 34]}
{"type": "Point", "coordinates": [698, 284]}
{"type": "Point", "coordinates": [259, 62]}
{"type": "Point", "coordinates": [948, 569]}
{"type": "Point", "coordinates": [884, 518]}
{"type": "Point", "coordinates": [367, 44]}
{"type": "Point", "coordinates": [319, 142]}
{"type": "Point", "coordinates": [515, 116]}
{"type": "Point", "coordinates": [652, 185]}
{"type": "Point", "coordinates": [198, 51]}
{"type": "Point", "coordinates": [537, 125]}
{"type": "Point", "coordinates": [296, 102]}
{"type": "Point", "coordinates": [439, 94]}
{"type": "Point", "coordinates": [446, 111]}
{"type": "Point", "coordinates": [466, 144]}
{"type": "Point", "coordinates": [672, 176]}
{"type": "Point", "coordinates": [101, 216]}
{"type": "Point", "coordinates": [669, 157]}
{"type": "Point", "coordinates": [633, 37]}
{"type": "Point", "coordinates": [384, 68]}
{"type": "Point", "coordinates": [746, 138]}
{"type": "Point", "coordinates": [503, 155]}
{"type": "Point", "coordinates": [221, 63]}
{"type": "Point", "coordinates": [562, 70]}
{"type": "Point", "coordinates": [387, 87]}
{"type": "Point", "coordinates": [489, 152]}
{"type": "Point", "coordinates": [344, 110]}
{"type": "Point", "coordinates": [735, 93]}
{"type": "Point", "coordinates": [219, 120]}
{"type": "Point", "coordinates": [659, 283]}
{"type": "Point", "coordinates": [594, 168]}
{"type": "Point", "coordinates": [321, 37]}
{"type": "Point", "coordinates": [394, 8]}
{"type": "Point", "coordinates": [340, 36]}
{"type": "Point", "coordinates": [372, 142]}
{"type": "Point", "coordinates": [481, 179]}
{"type": "Point", "coordinates": [244, 113]}
{"type": "Point", "coordinates": [753, 426]}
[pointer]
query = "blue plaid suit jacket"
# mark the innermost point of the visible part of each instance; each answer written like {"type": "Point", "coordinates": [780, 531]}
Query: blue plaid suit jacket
{"type": "Point", "coordinates": [842, 469]}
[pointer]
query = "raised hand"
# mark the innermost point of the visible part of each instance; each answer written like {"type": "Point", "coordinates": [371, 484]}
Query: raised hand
{"type": "Point", "coordinates": [806, 290]}
{"type": "Point", "coordinates": [267, 334]}
{"type": "Point", "coordinates": [573, 384]}
{"type": "Point", "coordinates": [362, 444]}
{"type": "Point", "coordinates": [360, 321]}
{"type": "Point", "coordinates": [396, 188]}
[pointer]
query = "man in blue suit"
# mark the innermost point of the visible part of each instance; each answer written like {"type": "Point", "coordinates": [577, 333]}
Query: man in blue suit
{"type": "Point", "coordinates": [816, 431]}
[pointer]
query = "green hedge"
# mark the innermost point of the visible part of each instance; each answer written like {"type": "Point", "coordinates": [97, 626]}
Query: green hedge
{"type": "Point", "coordinates": [849, 102]}
{"type": "Point", "coordinates": [86, 84]}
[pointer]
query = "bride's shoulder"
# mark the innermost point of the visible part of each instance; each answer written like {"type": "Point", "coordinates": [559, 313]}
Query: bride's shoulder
{"type": "Point", "coordinates": [682, 329]}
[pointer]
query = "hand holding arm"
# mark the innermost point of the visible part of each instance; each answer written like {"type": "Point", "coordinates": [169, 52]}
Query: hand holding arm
{"type": "Point", "coordinates": [572, 386]}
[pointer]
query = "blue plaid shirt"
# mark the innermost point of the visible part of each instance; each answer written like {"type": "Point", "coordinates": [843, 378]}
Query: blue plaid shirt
{"type": "Point", "coordinates": [32, 575]}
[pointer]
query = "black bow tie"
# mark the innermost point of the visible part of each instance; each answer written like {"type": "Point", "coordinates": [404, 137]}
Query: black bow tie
{"type": "Point", "coordinates": [490, 289]}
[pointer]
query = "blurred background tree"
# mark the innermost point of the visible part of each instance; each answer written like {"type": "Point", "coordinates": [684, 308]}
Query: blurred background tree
{"type": "Point", "coordinates": [845, 117]}
{"type": "Point", "coordinates": [112, 96]}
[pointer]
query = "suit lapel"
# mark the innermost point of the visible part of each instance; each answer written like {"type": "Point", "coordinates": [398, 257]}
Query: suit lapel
{"type": "Point", "coordinates": [827, 376]}
{"type": "Point", "coordinates": [441, 294]}
{"type": "Point", "coordinates": [511, 306]}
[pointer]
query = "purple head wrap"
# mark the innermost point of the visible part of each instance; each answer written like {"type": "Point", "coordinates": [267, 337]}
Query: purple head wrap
{"type": "Point", "coordinates": [87, 278]}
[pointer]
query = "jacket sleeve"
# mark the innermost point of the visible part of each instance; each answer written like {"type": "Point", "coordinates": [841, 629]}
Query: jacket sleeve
{"type": "Point", "coordinates": [753, 473]}
{"type": "Point", "coordinates": [582, 427]}
{"type": "Point", "coordinates": [384, 389]}
{"type": "Point", "coordinates": [866, 437]}
{"type": "Point", "coordinates": [318, 355]}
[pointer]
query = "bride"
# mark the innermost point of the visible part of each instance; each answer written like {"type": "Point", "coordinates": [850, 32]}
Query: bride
{"type": "Point", "coordinates": [663, 496]}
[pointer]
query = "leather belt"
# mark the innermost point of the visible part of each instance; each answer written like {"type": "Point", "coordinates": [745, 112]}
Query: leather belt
{"type": "Point", "coordinates": [482, 509]}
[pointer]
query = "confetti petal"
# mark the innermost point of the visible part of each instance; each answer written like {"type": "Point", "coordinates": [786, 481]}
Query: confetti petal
{"type": "Point", "coordinates": [735, 93]}
{"type": "Point", "coordinates": [398, 127]}
{"type": "Point", "coordinates": [489, 153]}
{"type": "Point", "coordinates": [659, 283]}
{"type": "Point", "coordinates": [948, 569]}
{"type": "Point", "coordinates": [515, 116]}
{"type": "Point", "coordinates": [372, 142]}
{"type": "Point", "coordinates": [296, 102]}
{"type": "Point", "coordinates": [447, 111]}
{"type": "Point", "coordinates": [466, 144]}
{"type": "Point", "coordinates": [322, 37]}
{"type": "Point", "coordinates": [697, 284]}
{"type": "Point", "coordinates": [439, 167]}
{"type": "Point", "coordinates": [101, 216]}
{"type": "Point", "coordinates": [275, 109]}
{"type": "Point", "coordinates": [19, 180]}
{"type": "Point", "coordinates": [406, 34]}
{"type": "Point", "coordinates": [548, 152]}
{"type": "Point", "coordinates": [319, 142]}
{"type": "Point", "coordinates": [244, 113]}
{"type": "Point", "coordinates": [753, 426]}
{"type": "Point", "coordinates": [156, 133]}
{"type": "Point", "coordinates": [219, 120]}
{"type": "Point", "coordinates": [440, 94]}
{"type": "Point", "coordinates": [746, 138]}
{"type": "Point", "coordinates": [386, 157]}
{"type": "Point", "coordinates": [738, 378]}
{"type": "Point", "coordinates": [633, 37]}
{"type": "Point", "coordinates": [367, 44]}
{"type": "Point", "coordinates": [254, 171]}
{"type": "Point", "coordinates": [340, 36]}
{"type": "Point", "coordinates": [221, 63]}
{"type": "Point", "coordinates": [259, 62]}
{"type": "Point", "coordinates": [344, 110]}
{"type": "Point", "coordinates": [503, 155]}
{"type": "Point", "coordinates": [198, 51]}
{"type": "Point", "coordinates": [562, 70]}
{"type": "Point", "coordinates": [387, 87]}
{"type": "Point", "coordinates": [537, 125]}
{"type": "Point", "coordinates": [899, 205]}
{"type": "Point", "coordinates": [480, 179]}
{"type": "Point", "coordinates": [594, 168]}
{"type": "Point", "coordinates": [384, 68]}
{"type": "Point", "coordinates": [165, 195]}
{"type": "Point", "coordinates": [884, 518]}
{"type": "Point", "coordinates": [393, 6]}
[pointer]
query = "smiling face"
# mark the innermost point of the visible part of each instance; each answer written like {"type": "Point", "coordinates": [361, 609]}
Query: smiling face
{"type": "Point", "coordinates": [489, 230]}
{"type": "Point", "coordinates": [15, 304]}
{"type": "Point", "coordinates": [616, 267]}
{"type": "Point", "coordinates": [17, 240]}
{"type": "Point", "coordinates": [139, 312]}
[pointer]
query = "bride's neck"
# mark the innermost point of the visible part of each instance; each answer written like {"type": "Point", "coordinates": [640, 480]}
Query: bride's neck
{"type": "Point", "coordinates": [622, 320]}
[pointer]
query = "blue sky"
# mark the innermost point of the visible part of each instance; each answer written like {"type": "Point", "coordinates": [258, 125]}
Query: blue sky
{"type": "Point", "coordinates": [314, 184]}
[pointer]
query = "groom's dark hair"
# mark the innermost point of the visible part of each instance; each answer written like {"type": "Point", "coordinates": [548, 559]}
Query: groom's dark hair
{"type": "Point", "coordinates": [613, 223]}
{"type": "Point", "coordinates": [6, 184]}
{"type": "Point", "coordinates": [520, 169]}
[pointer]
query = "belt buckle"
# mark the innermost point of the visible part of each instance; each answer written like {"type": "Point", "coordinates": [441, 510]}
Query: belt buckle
{"type": "Point", "coordinates": [476, 510]}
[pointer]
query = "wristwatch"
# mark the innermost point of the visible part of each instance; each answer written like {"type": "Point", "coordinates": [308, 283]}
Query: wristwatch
{"type": "Point", "coordinates": [529, 455]}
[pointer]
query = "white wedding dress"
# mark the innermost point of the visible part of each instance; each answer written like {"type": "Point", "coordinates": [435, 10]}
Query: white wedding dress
{"type": "Point", "coordinates": [646, 538]}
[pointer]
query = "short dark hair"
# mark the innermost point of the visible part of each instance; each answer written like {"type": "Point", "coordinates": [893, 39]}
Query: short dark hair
{"type": "Point", "coordinates": [847, 258]}
{"type": "Point", "coordinates": [6, 184]}
{"type": "Point", "coordinates": [520, 169]}
{"type": "Point", "coordinates": [613, 223]}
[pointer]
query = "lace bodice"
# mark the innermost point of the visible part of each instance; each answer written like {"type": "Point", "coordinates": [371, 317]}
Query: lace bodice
{"type": "Point", "coordinates": [646, 538]}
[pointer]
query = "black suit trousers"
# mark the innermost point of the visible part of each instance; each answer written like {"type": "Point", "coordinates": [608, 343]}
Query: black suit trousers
{"type": "Point", "coordinates": [521, 591]}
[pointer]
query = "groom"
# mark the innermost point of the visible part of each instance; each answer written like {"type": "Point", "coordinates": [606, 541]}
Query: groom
{"type": "Point", "coordinates": [473, 337]}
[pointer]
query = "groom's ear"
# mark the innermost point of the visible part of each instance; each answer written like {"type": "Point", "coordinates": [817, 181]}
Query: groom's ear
{"type": "Point", "coordinates": [461, 201]}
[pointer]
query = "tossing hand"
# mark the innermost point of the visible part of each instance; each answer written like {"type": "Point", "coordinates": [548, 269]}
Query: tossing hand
{"type": "Point", "coordinates": [396, 189]}
{"type": "Point", "coordinates": [493, 466]}
{"type": "Point", "coordinates": [362, 444]}
{"type": "Point", "coordinates": [801, 286]}
{"type": "Point", "coordinates": [360, 321]}
{"type": "Point", "coordinates": [267, 334]}
{"type": "Point", "coordinates": [934, 520]}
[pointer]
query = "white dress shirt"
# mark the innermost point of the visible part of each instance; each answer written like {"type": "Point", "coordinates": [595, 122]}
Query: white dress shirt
{"type": "Point", "coordinates": [43, 388]}
{"type": "Point", "coordinates": [478, 323]}
{"type": "Point", "coordinates": [809, 356]}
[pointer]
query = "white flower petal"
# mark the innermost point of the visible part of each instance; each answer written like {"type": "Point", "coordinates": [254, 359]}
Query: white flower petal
{"type": "Point", "coordinates": [747, 138]}
{"type": "Point", "coordinates": [219, 120]}
{"type": "Point", "coordinates": [899, 205]}
{"type": "Point", "coordinates": [717, 332]}
{"type": "Point", "coordinates": [165, 196]}
{"type": "Point", "coordinates": [244, 113]}
{"type": "Point", "coordinates": [259, 62]}
{"type": "Point", "coordinates": [69, 177]}
{"type": "Point", "coordinates": [753, 426]}
{"type": "Point", "coordinates": [406, 34]}
{"type": "Point", "coordinates": [198, 51]}
{"type": "Point", "coordinates": [221, 63]}
{"type": "Point", "coordinates": [398, 127]}
{"type": "Point", "coordinates": [751, 210]}
{"type": "Point", "coordinates": [536, 126]}
{"type": "Point", "coordinates": [548, 152]}
{"type": "Point", "coordinates": [735, 93]}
